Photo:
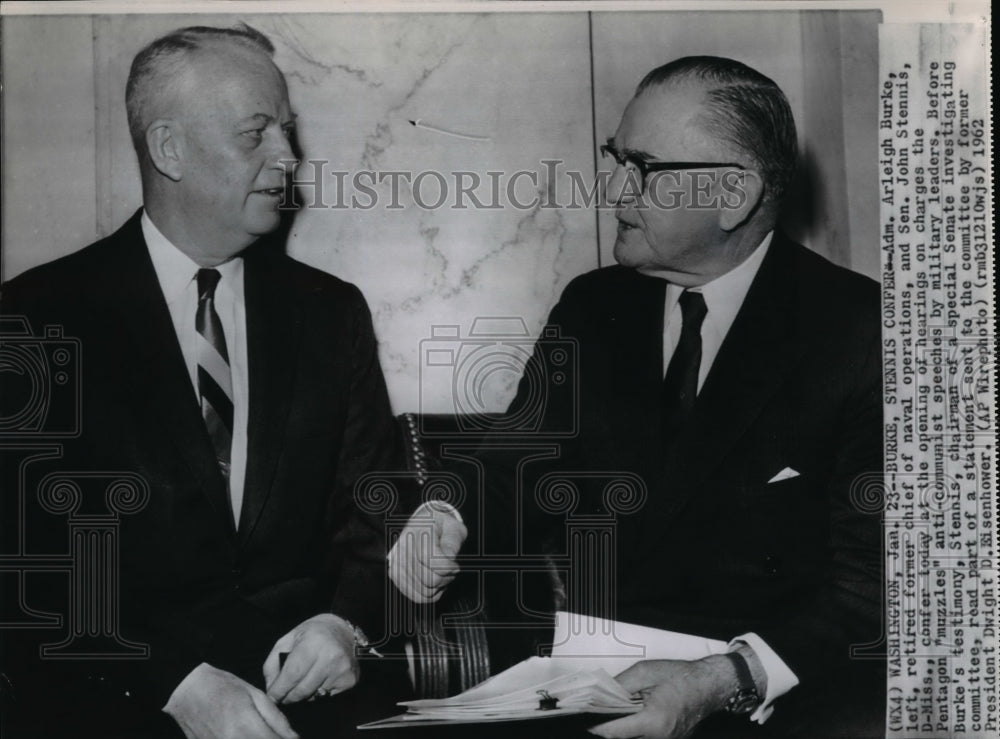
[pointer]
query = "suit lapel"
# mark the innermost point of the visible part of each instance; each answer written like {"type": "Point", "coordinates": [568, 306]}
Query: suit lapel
{"type": "Point", "coordinates": [157, 374]}
{"type": "Point", "coordinates": [643, 338]}
{"type": "Point", "coordinates": [274, 322]}
{"type": "Point", "coordinates": [760, 350]}
{"type": "Point", "coordinates": [638, 330]}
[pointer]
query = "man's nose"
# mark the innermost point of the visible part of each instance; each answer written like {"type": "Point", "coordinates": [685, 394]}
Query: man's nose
{"type": "Point", "coordinates": [282, 156]}
{"type": "Point", "coordinates": [620, 189]}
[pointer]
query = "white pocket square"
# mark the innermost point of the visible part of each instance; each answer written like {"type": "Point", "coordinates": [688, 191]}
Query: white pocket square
{"type": "Point", "coordinates": [786, 474]}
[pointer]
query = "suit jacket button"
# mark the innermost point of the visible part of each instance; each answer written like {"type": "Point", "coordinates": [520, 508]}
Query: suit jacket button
{"type": "Point", "coordinates": [770, 565]}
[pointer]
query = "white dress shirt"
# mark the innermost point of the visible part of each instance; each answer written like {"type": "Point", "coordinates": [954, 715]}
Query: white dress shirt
{"type": "Point", "coordinates": [723, 297]}
{"type": "Point", "coordinates": [176, 273]}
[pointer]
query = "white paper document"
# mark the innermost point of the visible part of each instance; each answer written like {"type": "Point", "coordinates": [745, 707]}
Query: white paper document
{"type": "Point", "coordinates": [539, 687]}
{"type": "Point", "coordinates": [577, 678]}
{"type": "Point", "coordinates": [589, 643]}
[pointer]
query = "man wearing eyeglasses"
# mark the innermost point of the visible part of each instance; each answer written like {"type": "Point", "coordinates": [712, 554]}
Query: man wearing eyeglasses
{"type": "Point", "coordinates": [738, 375]}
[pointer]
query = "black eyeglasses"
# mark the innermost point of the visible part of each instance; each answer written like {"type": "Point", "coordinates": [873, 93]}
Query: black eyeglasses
{"type": "Point", "coordinates": [643, 168]}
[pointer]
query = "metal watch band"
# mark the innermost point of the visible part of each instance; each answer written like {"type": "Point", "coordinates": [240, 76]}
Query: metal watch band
{"type": "Point", "coordinates": [361, 640]}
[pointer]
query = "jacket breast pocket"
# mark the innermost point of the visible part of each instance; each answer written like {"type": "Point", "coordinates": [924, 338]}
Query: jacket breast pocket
{"type": "Point", "coordinates": [795, 491]}
{"type": "Point", "coordinates": [789, 511]}
{"type": "Point", "coordinates": [775, 534]}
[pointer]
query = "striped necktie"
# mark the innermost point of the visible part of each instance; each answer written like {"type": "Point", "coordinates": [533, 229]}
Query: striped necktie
{"type": "Point", "coordinates": [215, 382]}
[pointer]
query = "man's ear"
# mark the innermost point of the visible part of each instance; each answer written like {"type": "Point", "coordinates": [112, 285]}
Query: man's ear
{"type": "Point", "coordinates": [164, 148]}
{"type": "Point", "coordinates": [741, 192]}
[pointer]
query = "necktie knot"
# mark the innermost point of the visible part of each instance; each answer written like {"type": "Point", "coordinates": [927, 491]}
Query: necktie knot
{"type": "Point", "coordinates": [693, 309]}
{"type": "Point", "coordinates": [208, 279]}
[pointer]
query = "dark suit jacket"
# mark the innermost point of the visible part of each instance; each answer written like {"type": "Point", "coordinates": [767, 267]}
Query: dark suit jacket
{"type": "Point", "coordinates": [193, 587]}
{"type": "Point", "coordinates": [715, 549]}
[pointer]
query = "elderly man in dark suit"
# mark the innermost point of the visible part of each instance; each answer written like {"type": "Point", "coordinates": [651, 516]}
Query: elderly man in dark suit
{"type": "Point", "coordinates": [245, 389]}
{"type": "Point", "coordinates": [738, 375]}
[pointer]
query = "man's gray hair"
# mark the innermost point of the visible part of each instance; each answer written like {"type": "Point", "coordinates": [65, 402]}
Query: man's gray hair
{"type": "Point", "coordinates": [744, 109]}
{"type": "Point", "coordinates": [161, 61]}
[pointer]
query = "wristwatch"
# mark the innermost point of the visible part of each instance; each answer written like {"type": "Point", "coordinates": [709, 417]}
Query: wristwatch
{"type": "Point", "coordinates": [746, 698]}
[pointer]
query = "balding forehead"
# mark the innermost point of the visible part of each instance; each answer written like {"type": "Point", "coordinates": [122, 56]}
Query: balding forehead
{"type": "Point", "coordinates": [672, 122]}
{"type": "Point", "coordinates": [685, 97]}
{"type": "Point", "coordinates": [218, 54]}
{"type": "Point", "coordinates": [220, 67]}
{"type": "Point", "coordinates": [663, 111]}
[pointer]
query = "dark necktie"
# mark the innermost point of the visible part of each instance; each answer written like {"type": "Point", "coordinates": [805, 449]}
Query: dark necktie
{"type": "Point", "coordinates": [215, 383]}
{"type": "Point", "coordinates": [680, 386]}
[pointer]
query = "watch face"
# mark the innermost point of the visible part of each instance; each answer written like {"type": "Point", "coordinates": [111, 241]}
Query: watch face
{"type": "Point", "coordinates": [745, 701]}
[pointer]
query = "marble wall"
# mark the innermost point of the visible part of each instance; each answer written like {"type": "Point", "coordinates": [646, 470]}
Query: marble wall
{"type": "Point", "coordinates": [525, 88]}
{"type": "Point", "coordinates": [522, 83]}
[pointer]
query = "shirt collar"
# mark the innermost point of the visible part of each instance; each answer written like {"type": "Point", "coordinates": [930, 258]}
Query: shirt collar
{"type": "Point", "coordinates": [725, 294]}
{"type": "Point", "coordinates": [175, 270]}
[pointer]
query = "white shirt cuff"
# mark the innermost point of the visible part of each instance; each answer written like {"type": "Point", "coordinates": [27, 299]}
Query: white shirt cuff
{"type": "Point", "coordinates": [424, 510]}
{"type": "Point", "coordinates": [780, 679]}
{"type": "Point", "coordinates": [439, 505]}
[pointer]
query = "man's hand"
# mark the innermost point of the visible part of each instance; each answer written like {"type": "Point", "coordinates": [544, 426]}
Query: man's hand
{"type": "Point", "coordinates": [422, 563]}
{"type": "Point", "coordinates": [321, 660]}
{"type": "Point", "coordinates": [214, 704]}
{"type": "Point", "coordinates": [677, 695]}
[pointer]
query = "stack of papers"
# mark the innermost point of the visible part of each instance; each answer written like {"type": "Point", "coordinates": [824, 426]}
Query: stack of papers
{"type": "Point", "coordinates": [539, 687]}
{"type": "Point", "coordinates": [577, 678]}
